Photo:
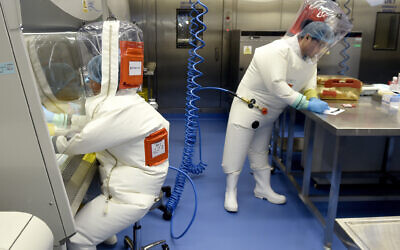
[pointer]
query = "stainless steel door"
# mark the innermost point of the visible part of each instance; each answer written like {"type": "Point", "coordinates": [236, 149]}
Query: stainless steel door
{"type": "Point", "coordinates": [259, 15]}
{"type": "Point", "coordinates": [172, 61]}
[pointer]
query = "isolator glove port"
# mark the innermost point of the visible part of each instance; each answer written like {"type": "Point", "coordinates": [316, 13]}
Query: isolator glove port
{"type": "Point", "coordinates": [317, 106]}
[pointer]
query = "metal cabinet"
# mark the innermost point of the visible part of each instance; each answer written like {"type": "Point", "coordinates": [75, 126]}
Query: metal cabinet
{"type": "Point", "coordinates": [172, 60]}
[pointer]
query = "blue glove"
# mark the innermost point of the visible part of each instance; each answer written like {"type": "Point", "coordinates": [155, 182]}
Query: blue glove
{"type": "Point", "coordinates": [317, 106]}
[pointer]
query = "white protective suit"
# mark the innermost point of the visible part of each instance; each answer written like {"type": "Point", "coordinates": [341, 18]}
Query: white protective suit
{"type": "Point", "coordinates": [118, 127]}
{"type": "Point", "coordinates": [273, 67]}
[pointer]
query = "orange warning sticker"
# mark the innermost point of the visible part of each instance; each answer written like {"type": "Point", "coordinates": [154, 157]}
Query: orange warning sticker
{"type": "Point", "coordinates": [156, 147]}
{"type": "Point", "coordinates": [131, 68]}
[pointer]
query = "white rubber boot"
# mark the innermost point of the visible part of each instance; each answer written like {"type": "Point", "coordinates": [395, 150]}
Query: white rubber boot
{"type": "Point", "coordinates": [263, 188]}
{"type": "Point", "coordinates": [111, 241]}
{"type": "Point", "coordinates": [230, 203]}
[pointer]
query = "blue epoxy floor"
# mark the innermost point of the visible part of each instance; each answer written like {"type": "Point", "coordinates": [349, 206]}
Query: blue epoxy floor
{"type": "Point", "coordinates": [258, 224]}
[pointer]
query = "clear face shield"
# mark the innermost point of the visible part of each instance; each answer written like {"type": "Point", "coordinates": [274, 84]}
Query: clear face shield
{"type": "Point", "coordinates": [319, 25]}
{"type": "Point", "coordinates": [130, 57]}
{"type": "Point", "coordinates": [68, 70]}
{"type": "Point", "coordinates": [56, 65]}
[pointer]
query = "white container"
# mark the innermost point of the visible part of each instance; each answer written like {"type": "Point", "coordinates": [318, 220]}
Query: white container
{"type": "Point", "coordinates": [395, 80]}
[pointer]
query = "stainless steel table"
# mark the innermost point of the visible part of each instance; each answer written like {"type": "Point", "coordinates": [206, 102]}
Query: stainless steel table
{"type": "Point", "coordinates": [374, 233]}
{"type": "Point", "coordinates": [369, 118]}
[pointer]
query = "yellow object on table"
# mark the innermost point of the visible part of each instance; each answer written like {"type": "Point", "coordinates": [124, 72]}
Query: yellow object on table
{"type": "Point", "coordinates": [143, 93]}
{"type": "Point", "coordinates": [89, 157]}
{"type": "Point", "coordinates": [338, 87]}
{"type": "Point", "coordinates": [51, 128]}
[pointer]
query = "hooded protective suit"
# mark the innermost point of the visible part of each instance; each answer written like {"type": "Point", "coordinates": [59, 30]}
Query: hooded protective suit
{"type": "Point", "coordinates": [117, 133]}
{"type": "Point", "coordinates": [274, 78]}
{"type": "Point", "coordinates": [130, 139]}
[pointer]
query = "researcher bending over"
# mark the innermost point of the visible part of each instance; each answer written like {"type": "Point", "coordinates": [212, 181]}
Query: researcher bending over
{"type": "Point", "coordinates": [281, 73]}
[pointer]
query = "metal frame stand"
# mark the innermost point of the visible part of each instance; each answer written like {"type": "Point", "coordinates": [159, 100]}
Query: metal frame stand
{"type": "Point", "coordinates": [334, 176]}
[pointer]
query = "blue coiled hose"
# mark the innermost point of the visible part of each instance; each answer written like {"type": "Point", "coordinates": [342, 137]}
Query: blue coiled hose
{"type": "Point", "coordinates": [192, 126]}
{"type": "Point", "coordinates": [195, 206]}
{"type": "Point", "coordinates": [346, 57]}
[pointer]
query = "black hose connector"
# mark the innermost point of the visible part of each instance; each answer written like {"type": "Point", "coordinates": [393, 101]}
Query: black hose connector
{"type": "Point", "coordinates": [251, 103]}
{"type": "Point", "coordinates": [167, 215]}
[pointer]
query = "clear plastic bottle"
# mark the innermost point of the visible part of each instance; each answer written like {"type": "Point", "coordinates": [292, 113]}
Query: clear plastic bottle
{"type": "Point", "coordinates": [394, 86]}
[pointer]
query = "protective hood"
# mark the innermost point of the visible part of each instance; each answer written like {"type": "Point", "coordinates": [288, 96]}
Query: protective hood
{"type": "Point", "coordinates": [324, 21]}
{"type": "Point", "coordinates": [112, 53]}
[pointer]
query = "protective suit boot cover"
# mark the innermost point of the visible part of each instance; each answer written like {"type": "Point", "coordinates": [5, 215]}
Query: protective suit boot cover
{"type": "Point", "coordinates": [230, 203]}
{"type": "Point", "coordinates": [263, 188]}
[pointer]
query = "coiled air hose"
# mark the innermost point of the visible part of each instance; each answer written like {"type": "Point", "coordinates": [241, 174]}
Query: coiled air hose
{"type": "Point", "coordinates": [195, 206]}
{"type": "Point", "coordinates": [192, 126]}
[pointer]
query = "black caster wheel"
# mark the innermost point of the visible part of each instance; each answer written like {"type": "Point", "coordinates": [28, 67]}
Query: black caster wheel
{"type": "Point", "coordinates": [128, 244]}
{"type": "Point", "coordinates": [165, 247]}
{"type": "Point", "coordinates": [167, 191]}
{"type": "Point", "coordinates": [167, 215]}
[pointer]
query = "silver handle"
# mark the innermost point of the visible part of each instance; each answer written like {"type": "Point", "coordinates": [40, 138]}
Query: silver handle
{"type": "Point", "coordinates": [216, 54]}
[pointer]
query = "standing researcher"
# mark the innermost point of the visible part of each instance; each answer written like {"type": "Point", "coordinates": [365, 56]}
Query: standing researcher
{"type": "Point", "coordinates": [281, 73]}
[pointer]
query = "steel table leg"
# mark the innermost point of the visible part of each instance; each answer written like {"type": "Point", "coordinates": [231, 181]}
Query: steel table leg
{"type": "Point", "coordinates": [282, 132]}
{"type": "Point", "coordinates": [309, 126]}
{"type": "Point", "coordinates": [289, 150]}
{"type": "Point", "coordinates": [333, 194]}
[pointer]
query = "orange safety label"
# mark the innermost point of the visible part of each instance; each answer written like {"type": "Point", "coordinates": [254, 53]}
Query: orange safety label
{"type": "Point", "coordinates": [156, 147]}
{"type": "Point", "coordinates": [131, 69]}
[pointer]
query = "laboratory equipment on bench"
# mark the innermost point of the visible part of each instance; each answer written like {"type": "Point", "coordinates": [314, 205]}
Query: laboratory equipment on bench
{"type": "Point", "coordinates": [338, 87]}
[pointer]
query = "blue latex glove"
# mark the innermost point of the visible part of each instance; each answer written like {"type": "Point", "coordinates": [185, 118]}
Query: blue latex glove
{"type": "Point", "coordinates": [317, 106]}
